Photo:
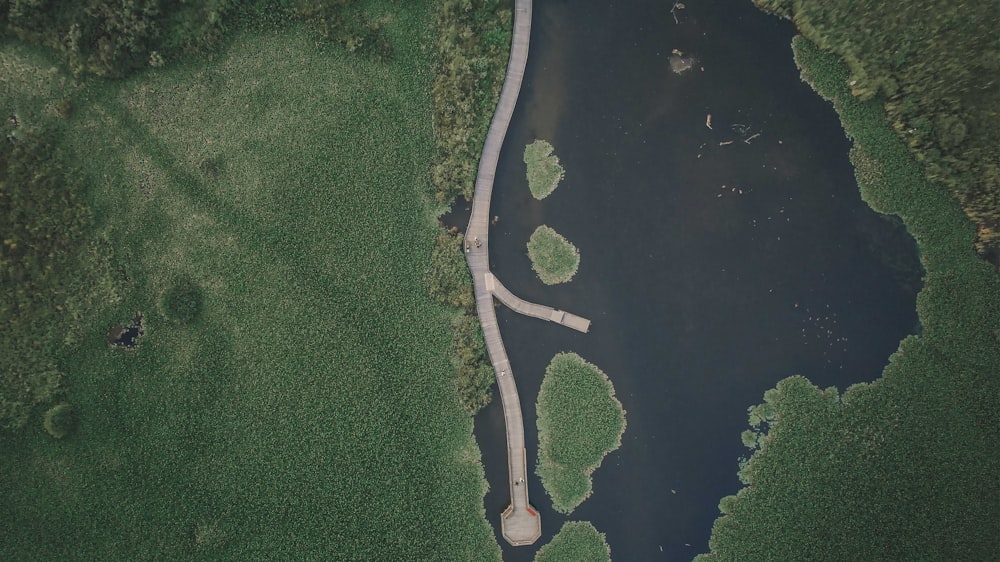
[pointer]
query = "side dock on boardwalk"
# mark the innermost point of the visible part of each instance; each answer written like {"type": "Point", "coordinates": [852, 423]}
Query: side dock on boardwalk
{"type": "Point", "coordinates": [520, 522]}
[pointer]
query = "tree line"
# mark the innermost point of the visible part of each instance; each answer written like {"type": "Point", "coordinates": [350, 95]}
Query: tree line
{"type": "Point", "coordinates": [934, 66]}
{"type": "Point", "coordinates": [114, 38]}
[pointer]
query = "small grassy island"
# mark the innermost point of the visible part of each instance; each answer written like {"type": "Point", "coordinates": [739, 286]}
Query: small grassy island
{"type": "Point", "coordinates": [579, 422]}
{"type": "Point", "coordinates": [544, 171]}
{"type": "Point", "coordinates": [577, 541]}
{"type": "Point", "coordinates": [553, 258]}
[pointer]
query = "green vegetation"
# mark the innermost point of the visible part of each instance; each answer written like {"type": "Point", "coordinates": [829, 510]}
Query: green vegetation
{"type": "Point", "coordinates": [309, 411]}
{"type": "Point", "coordinates": [112, 38]}
{"type": "Point", "coordinates": [50, 271]}
{"type": "Point", "coordinates": [576, 541]}
{"type": "Point", "coordinates": [450, 284]}
{"type": "Point", "coordinates": [544, 171]}
{"type": "Point", "coordinates": [579, 422]}
{"type": "Point", "coordinates": [448, 276]}
{"type": "Point", "coordinates": [896, 469]}
{"type": "Point", "coordinates": [553, 258]}
{"type": "Point", "coordinates": [60, 420]}
{"type": "Point", "coordinates": [182, 301]}
{"type": "Point", "coordinates": [933, 64]}
{"type": "Point", "coordinates": [473, 46]}
{"type": "Point", "coordinates": [475, 375]}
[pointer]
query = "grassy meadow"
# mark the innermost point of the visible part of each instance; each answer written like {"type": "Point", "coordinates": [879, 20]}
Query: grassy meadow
{"type": "Point", "coordinates": [554, 258]}
{"type": "Point", "coordinates": [576, 541]}
{"type": "Point", "coordinates": [544, 170]}
{"type": "Point", "coordinates": [293, 397]}
{"type": "Point", "coordinates": [579, 422]}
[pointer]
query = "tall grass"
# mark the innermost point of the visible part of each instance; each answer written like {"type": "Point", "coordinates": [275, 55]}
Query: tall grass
{"type": "Point", "coordinates": [554, 258]}
{"type": "Point", "coordinates": [895, 469]}
{"type": "Point", "coordinates": [579, 422]}
{"type": "Point", "coordinates": [544, 170]}
{"type": "Point", "coordinates": [309, 412]}
{"type": "Point", "coordinates": [576, 541]}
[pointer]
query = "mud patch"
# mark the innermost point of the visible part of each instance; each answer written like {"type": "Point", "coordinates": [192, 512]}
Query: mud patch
{"type": "Point", "coordinates": [126, 337]}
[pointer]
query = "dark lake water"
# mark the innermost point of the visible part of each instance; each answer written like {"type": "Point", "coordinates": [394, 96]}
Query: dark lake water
{"type": "Point", "coordinates": [701, 297]}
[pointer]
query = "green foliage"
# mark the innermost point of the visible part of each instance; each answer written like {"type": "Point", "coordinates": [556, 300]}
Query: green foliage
{"type": "Point", "coordinates": [576, 541]}
{"type": "Point", "coordinates": [448, 276]}
{"type": "Point", "coordinates": [472, 49]}
{"type": "Point", "coordinates": [544, 171]}
{"type": "Point", "coordinates": [60, 420]}
{"type": "Point", "coordinates": [182, 302]}
{"type": "Point", "coordinates": [932, 63]}
{"type": "Point", "coordinates": [45, 269]}
{"type": "Point", "coordinates": [450, 284]}
{"type": "Point", "coordinates": [322, 357]}
{"type": "Point", "coordinates": [579, 422]}
{"type": "Point", "coordinates": [474, 374]}
{"type": "Point", "coordinates": [114, 38]}
{"type": "Point", "coordinates": [553, 258]}
{"type": "Point", "coordinates": [903, 455]}
{"type": "Point", "coordinates": [347, 23]}
{"type": "Point", "coordinates": [111, 38]}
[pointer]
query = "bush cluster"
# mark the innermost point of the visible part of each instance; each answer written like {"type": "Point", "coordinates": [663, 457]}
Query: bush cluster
{"type": "Point", "coordinates": [932, 64]}
{"type": "Point", "coordinates": [183, 301]}
{"type": "Point", "coordinates": [472, 51]}
{"type": "Point", "coordinates": [60, 420]}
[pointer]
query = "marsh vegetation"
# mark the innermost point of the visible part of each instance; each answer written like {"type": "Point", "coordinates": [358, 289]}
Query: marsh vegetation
{"type": "Point", "coordinates": [270, 210]}
{"type": "Point", "coordinates": [903, 454]}
{"type": "Point", "coordinates": [554, 258]}
{"type": "Point", "coordinates": [579, 422]}
{"type": "Point", "coordinates": [543, 168]}
{"type": "Point", "coordinates": [576, 541]}
{"type": "Point", "coordinates": [932, 66]}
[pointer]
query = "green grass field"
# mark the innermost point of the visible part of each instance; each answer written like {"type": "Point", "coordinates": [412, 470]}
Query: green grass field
{"type": "Point", "coordinates": [576, 541]}
{"type": "Point", "coordinates": [544, 171]}
{"type": "Point", "coordinates": [306, 408]}
{"type": "Point", "coordinates": [579, 422]}
{"type": "Point", "coordinates": [554, 258]}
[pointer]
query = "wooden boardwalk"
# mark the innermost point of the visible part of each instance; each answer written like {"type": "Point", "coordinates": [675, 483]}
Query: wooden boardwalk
{"type": "Point", "coordinates": [520, 522]}
{"type": "Point", "coordinates": [540, 311]}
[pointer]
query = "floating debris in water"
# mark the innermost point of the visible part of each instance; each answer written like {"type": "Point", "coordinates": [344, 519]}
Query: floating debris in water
{"type": "Point", "coordinates": [679, 63]}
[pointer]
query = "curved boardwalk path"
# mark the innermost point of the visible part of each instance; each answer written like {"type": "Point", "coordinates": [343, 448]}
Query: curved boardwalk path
{"type": "Point", "coordinates": [520, 522]}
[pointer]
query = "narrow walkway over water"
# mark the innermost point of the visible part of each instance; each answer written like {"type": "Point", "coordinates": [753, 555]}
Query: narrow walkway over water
{"type": "Point", "coordinates": [540, 311]}
{"type": "Point", "coordinates": [520, 522]}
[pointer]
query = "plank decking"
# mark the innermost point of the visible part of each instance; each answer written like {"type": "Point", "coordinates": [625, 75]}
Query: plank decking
{"type": "Point", "coordinates": [520, 522]}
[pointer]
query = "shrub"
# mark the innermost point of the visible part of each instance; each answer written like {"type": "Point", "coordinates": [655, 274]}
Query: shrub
{"type": "Point", "coordinates": [183, 301]}
{"type": "Point", "coordinates": [60, 420]}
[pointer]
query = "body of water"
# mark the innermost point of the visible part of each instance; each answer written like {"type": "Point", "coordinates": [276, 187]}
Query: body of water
{"type": "Point", "coordinates": [710, 272]}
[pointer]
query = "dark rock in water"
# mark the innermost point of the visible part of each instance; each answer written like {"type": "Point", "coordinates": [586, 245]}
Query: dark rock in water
{"type": "Point", "coordinates": [126, 336]}
{"type": "Point", "coordinates": [680, 64]}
